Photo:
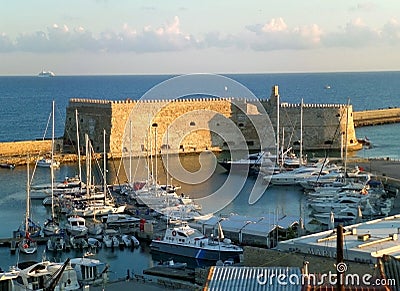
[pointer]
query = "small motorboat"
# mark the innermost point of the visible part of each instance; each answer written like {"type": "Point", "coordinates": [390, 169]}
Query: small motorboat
{"type": "Point", "coordinates": [7, 166]}
{"type": "Point", "coordinates": [47, 163]}
{"type": "Point", "coordinates": [94, 243]}
{"type": "Point", "coordinates": [126, 239]}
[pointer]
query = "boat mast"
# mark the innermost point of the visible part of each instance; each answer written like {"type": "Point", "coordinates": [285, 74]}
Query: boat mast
{"type": "Point", "coordinates": [52, 165]}
{"type": "Point", "coordinates": [104, 166]}
{"type": "Point", "coordinates": [130, 153]}
{"type": "Point", "coordinates": [301, 133]}
{"type": "Point", "coordinates": [277, 125]}
{"type": "Point", "coordinates": [87, 164]}
{"type": "Point", "coordinates": [27, 198]}
{"type": "Point", "coordinates": [79, 150]}
{"type": "Point", "coordinates": [345, 140]}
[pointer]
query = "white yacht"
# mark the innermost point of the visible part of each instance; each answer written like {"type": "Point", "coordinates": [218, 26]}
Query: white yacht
{"type": "Point", "coordinates": [43, 276]}
{"type": "Point", "coordinates": [251, 164]}
{"type": "Point", "coordinates": [300, 174]}
{"type": "Point", "coordinates": [76, 225]}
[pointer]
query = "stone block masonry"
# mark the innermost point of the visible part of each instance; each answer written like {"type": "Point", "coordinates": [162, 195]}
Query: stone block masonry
{"type": "Point", "coordinates": [195, 124]}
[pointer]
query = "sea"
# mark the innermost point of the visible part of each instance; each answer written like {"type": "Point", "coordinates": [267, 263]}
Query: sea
{"type": "Point", "coordinates": [26, 107]}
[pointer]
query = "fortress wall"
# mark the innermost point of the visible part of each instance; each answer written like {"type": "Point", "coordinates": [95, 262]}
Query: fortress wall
{"type": "Point", "coordinates": [190, 121]}
{"type": "Point", "coordinates": [93, 117]}
{"type": "Point", "coordinates": [199, 124]}
{"type": "Point", "coordinates": [323, 124]}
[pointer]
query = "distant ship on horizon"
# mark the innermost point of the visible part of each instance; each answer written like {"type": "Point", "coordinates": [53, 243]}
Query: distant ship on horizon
{"type": "Point", "coordinates": [44, 73]}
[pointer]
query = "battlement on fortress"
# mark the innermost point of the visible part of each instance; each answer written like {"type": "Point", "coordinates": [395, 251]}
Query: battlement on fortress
{"type": "Point", "coordinates": [191, 100]}
{"type": "Point", "coordinates": [320, 122]}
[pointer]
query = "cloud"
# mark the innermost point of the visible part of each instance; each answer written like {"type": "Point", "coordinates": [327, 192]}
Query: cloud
{"type": "Point", "coordinates": [274, 34]}
{"type": "Point", "coordinates": [391, 32]}
{"type": "Point", "coordinates": [165, 38]}
{"type": "Point", "coordinates": [6, 44]}
{"type": "Point", "coordinates": [355, 34]}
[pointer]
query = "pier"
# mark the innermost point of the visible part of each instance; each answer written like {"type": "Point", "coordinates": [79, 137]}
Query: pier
{"type": "Point", "coordinates": [376, 117]}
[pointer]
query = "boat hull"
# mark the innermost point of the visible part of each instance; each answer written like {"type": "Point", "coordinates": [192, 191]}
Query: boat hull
{"type": "Point", "coordinates": [195, 252]}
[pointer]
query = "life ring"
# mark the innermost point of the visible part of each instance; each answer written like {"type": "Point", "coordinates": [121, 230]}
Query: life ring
{"type": "Point", "coordinates": [174, 233]}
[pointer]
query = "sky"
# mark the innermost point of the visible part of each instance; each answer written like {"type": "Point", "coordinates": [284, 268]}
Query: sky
{"type": "Point", "coordinates": [101, 37]}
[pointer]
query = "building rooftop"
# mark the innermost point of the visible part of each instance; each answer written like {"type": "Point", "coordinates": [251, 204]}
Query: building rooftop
{"type": "Point", "coordinates": [363, 242]}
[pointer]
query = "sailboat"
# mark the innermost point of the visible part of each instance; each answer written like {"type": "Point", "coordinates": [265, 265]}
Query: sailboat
{"type": "Point", "coordinates": [27, 245]}
{"type": "Point", "coordinates": [98, 203]}
{"type": "Point", "coordinates": [51, 227]}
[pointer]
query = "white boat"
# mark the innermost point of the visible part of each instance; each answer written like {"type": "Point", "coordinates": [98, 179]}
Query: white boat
{"type": "Point", "coordinates": [44, 276]}
{"type": "Point", "coordinates": [6, 279]}
{"type": "Point", "coordinates": [346, 215]}
{"type": "Point", "coordinates": [299, 174]}
{"type": "Point", "coordinates": [27, 245]}
{"type": "Point", "coordinates": [135, 241]}
{"type": "Point", "coordinates": [90, 271]}
{"type": "Point", "coordinates": [110, 238]}
{"type": "Point", "coordinates": [76, 225]}
{"type": "Point", "coordinates": [336, 205]}
{"type": "Point", "coordinates": [95, 227]}
{"type": "Point", "coordinates": [46, 163]}
{"type": "Point", "coordinates": [51, 227]}
{"type": "Point", "coordinates": [189, 242]}
{"type": "Point", "coordinates": [99, 210]}
{"type": "Point", "coordinates": [94, 243]}
{"type": "Point", "coordinates": [251, 164]}
{"type": "Point", "coordinates": [46, 74]}
{"type": "Point", "coordinates": [123, 222]}
{"type": "Point", "coordinates": [126, 239]}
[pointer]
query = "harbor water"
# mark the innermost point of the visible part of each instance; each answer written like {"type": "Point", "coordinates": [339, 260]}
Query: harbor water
{"type": "Point", "coordinates": [26, 105]}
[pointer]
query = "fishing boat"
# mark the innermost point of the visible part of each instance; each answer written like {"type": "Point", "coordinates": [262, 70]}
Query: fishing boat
{"type": "Point", "coordinates": [189, 242]}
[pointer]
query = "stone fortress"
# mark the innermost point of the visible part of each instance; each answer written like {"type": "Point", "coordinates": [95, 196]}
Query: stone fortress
{"type": "Point", "coordinates": [198, 124]}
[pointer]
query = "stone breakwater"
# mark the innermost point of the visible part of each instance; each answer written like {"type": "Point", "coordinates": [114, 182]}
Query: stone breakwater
{"type": "Point", "coordinates": [375, 117]}
{"type": "Point", "coordinates": [19, 152]}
